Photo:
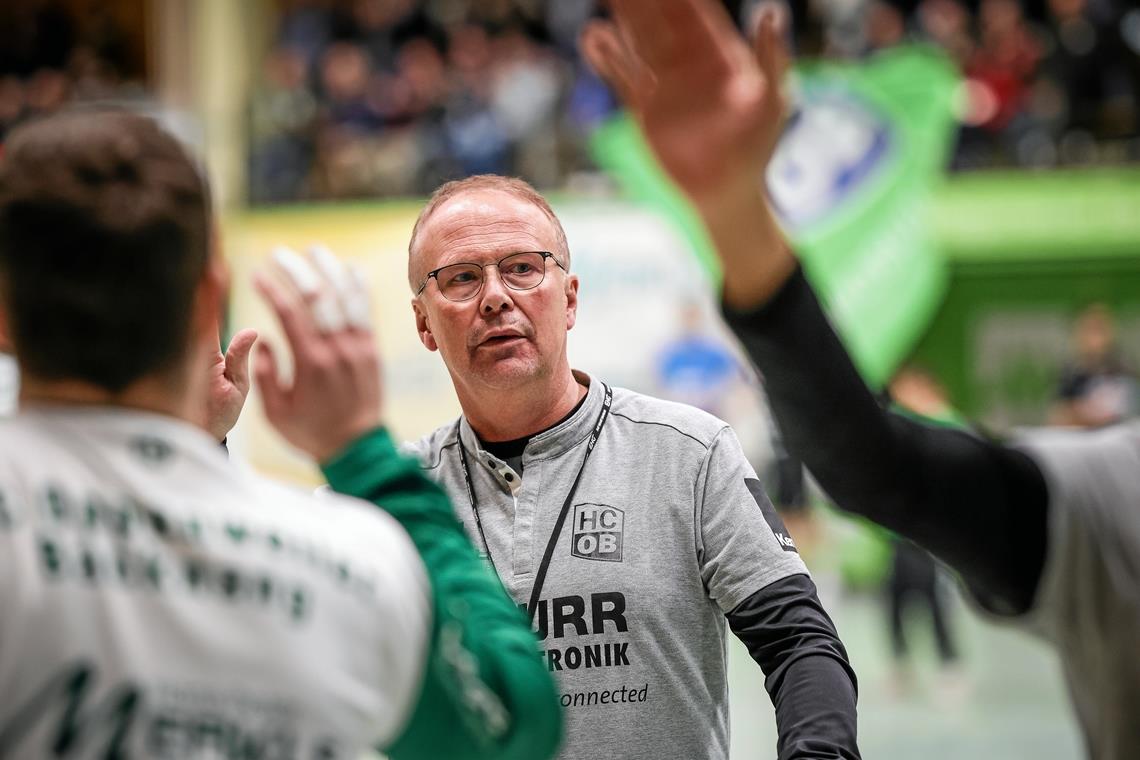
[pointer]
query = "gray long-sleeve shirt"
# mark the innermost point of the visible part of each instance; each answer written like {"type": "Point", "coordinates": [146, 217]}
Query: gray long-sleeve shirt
{"type": "Point", "coordinates": [667, 534]}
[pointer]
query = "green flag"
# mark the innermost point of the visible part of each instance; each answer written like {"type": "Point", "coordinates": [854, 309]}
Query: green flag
{"type": "Point", "coordinates": [851, 180]}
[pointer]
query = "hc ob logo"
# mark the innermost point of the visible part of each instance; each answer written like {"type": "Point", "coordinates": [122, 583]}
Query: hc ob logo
{"type": "Point", "coordinates": [597, 532]}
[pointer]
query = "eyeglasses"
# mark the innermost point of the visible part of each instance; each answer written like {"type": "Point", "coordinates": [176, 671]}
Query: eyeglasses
{"type": "Point", "coordinates": [519, 271]}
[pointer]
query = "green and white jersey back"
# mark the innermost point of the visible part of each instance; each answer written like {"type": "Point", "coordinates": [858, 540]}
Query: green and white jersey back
{"type": "Point", "coordinates": [158, 602]}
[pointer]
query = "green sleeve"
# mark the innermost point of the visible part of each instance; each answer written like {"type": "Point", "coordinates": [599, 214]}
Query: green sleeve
{"type": "Point", "coordinates": [486, 693]}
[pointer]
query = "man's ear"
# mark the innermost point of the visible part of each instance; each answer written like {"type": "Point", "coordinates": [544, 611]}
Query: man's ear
{"type": "Point", "coordinates": [212, 298]}
{"type": "Point", "coordinates": [422, 326]}
{"type": "Point", "coordinates": [5, 333]}
{"type": "Point", "coordinates": [571, 300]}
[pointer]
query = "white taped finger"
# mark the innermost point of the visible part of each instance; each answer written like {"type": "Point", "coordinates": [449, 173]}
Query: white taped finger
{"type": "Point", "coordinates": [358, 281]}
{"type": "Point", "coordinates": [357, 299]}
{"type": "Point", "coordinates": [299, 271]}
{"type": "Point", "coordinates": [331, 267]}
{"type": "Point", "coordinates": [347, 284]}
{"type": "Point", "coordinates": [328, 315]}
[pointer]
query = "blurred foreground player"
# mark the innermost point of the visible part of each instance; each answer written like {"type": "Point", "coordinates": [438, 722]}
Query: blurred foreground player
{"type": "Point", "coordinates": [158, 602]}
{"type": "Point", "coordinates": [1045, 532]}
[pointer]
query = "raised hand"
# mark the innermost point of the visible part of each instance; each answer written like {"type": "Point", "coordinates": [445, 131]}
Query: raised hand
{"type": "Point", "coordinates": [710, 105]}
{"type": "Point", "coordinates": [229, 384]}
{"type": "Point", "coordinates": [712, 110]}
{"type": "Point", "coordinates": [335, 393]}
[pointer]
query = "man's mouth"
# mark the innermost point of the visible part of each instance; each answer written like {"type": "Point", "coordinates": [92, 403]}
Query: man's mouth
{"type": "Point", "coordinates": [501, 340]}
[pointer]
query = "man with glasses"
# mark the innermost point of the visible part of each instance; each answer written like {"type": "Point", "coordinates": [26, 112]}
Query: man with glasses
{"type": "Point", "coordinates": [626, 527]}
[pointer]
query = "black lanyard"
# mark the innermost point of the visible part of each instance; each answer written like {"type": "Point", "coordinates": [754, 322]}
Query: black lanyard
{"type": "Point", "coordinates": [540, 576]}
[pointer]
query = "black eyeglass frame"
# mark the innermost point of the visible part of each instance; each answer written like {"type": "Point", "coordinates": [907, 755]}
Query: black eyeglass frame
{"type": "Point", "coordinates": [483, 278]}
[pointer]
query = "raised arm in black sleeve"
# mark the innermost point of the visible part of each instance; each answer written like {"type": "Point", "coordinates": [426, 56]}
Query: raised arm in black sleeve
{"type": "Point", "coordinates": [809, 678]}
{"type": "Point", "coordinates": [979, 506]}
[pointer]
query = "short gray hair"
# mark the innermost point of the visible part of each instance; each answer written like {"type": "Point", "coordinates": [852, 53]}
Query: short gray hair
{"type": "Point", "coordinates": [510, 185]}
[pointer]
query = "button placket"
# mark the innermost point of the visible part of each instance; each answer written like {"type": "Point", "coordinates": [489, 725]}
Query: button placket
{"type": "Point", "coordinates": [522, 561]}
{"type": "Point", "coordinates": [521, 510]}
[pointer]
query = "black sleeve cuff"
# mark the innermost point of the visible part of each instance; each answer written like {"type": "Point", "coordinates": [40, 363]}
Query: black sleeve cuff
{"type": "Point", "coordinates": [809, 678]}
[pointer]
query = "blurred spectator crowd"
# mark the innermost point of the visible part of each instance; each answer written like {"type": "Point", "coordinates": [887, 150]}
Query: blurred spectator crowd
{"type": "Point", "coordinates": [365, 98]}
{"type": "Point", "coordinates": [1047, 82]}
{"type": "Point", "coordinates": [391, 97]}
{"type": "Point", "coordinates": [51, 55]}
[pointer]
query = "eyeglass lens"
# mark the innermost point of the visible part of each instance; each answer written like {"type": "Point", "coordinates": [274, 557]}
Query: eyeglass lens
{"type": "Point", "coordinates": [521, 271]}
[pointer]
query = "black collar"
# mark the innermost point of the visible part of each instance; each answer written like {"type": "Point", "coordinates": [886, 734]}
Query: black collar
{"type": "Point", "coordinates": [507, 450]}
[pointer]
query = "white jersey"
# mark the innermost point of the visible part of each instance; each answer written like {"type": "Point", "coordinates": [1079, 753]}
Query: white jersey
{"type": "Point", "coordinates": [157, 602]}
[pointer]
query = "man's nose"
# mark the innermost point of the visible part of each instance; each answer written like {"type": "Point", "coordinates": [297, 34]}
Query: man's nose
{"type": "Point", "coordinates": [496, 296]}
